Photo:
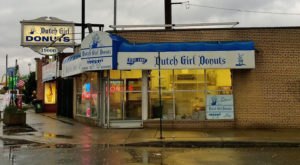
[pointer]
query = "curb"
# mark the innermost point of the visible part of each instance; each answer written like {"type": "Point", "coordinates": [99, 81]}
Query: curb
{"type": "Point", "coordinates": [224, 144]}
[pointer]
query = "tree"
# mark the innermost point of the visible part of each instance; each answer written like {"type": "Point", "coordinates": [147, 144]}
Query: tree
{"type": "Point", "coordinates": [30, 86]}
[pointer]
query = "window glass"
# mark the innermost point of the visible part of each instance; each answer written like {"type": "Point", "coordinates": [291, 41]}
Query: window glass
{"type": "Point", "coordinates": [167, 96]}
{"type": "Point", "coordinates": [184, 92]}
{"type": "Point", "coordinates": [219, 81]}
{"type": "Point", "coordinates": [87, 99]}
{"type": "Point", "coordinates": [189, 94]}
{"type": "Point", "coordinates": [166, 103]}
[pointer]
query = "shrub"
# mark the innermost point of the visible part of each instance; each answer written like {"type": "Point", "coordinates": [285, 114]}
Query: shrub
{"type": "Point", "coordinates": [12, 109]}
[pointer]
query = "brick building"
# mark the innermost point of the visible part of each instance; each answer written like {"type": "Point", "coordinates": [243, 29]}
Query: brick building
{"type": "Point", "coordinates": [267, 96]}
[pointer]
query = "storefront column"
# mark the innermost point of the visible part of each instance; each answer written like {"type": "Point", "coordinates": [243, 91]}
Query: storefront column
{"type": "Point", "coordinates": [144, 95]}
{"type": "Point", "coordinates": [104, 102]}
{"type": "Point", "coordinates": [100, 96]}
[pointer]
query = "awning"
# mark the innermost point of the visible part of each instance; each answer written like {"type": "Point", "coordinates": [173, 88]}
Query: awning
{"type": "Point", "coordinates": [50, 71]}
{"type": "Point", "coordinates": [184, 55]}
{"type": "Point", "coordinates": [71, 65]}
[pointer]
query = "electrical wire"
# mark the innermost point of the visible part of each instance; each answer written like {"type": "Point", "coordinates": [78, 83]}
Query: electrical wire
{"type": "Point", "coordinates": [240, 10]}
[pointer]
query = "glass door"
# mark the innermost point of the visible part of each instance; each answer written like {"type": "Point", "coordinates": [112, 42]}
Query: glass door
{"type": "Point", "coordinates": [133, 99]}
{"type": "Point", "coordinates": [116, 100]}
{"type": "Point", "coordinates": [124, 99]}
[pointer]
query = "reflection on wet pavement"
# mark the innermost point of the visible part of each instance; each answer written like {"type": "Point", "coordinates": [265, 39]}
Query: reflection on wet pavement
{"type": "Point", "coordinates": [52, 135]}
{"type": "Point", "coordinates": [106, 154]}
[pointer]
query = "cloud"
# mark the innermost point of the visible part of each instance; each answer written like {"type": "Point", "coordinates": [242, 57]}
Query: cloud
{"type": "Point", "coordinates": [131, 12]}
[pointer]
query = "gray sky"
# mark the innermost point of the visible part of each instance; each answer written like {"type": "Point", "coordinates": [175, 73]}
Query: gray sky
{"type": "Point", "coordinates": [133, 12]}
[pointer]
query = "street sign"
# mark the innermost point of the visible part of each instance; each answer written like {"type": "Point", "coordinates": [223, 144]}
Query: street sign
{"type": "Point", "coordinates": [49, 51]}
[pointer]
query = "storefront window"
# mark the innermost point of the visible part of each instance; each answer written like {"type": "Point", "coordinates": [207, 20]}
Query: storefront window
{"type": "Point", "coordinates": [87, 94]}
{"type": "Point", "coordinates": [219, 81]}
{"type": "Point", "coordinates": [184, 92]}
{"type": "Point", "coordinates": [167, 96]}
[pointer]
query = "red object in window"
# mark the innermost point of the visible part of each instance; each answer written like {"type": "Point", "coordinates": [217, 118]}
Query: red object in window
{"type": "Point", "coordinates": [130, 88]}
{"type": "Point", "coordinates": [86, 95]}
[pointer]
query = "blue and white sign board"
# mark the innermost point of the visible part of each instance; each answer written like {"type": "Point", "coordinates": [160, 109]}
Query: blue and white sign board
{"type": "Point", "coordinates": [71, 65]}
{"type": "Point", "coordinates": [240, 59]}
{"type": "Point", "coordinates": [96, 52]}
{"type": "Point", "coordinates": [49, 71]}
{"type": "Point", "coordinates": [219, 107]}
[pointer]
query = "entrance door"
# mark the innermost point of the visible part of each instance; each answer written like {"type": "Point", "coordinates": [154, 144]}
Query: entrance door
{"type": "Point", "coordinates": [125, 100]}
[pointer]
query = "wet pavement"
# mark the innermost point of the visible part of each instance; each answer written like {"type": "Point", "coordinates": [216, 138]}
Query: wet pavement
{"type": "Point", "coordinates": [48, 139]}
{"type": "Point", "coordinates": [47, 128]}
{"type": "Point", "coordinates": [106, 155]}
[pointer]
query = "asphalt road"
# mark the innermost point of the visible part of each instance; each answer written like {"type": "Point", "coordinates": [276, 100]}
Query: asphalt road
{"type": "Point", "coordinates": [107, 155]}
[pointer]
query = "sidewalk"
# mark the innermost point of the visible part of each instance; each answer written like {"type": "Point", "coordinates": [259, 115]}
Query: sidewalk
{"type": "Point", "coordinates": [55, 130]}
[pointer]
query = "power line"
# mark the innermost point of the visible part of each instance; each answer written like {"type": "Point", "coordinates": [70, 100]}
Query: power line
{"type": "Point", "coordinates": [245, 11]}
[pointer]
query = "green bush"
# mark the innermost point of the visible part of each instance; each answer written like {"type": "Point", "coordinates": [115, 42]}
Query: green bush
{"type": "Point", "coordinates": [12, 109]}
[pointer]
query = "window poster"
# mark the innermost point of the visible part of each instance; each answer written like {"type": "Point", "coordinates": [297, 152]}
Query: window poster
{"type": "Point", "coordinates": [219, 107]}
{"type": "Point", "coordinates": [50, 93]}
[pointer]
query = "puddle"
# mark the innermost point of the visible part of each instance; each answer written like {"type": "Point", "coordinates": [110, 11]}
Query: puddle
{"type": "Point", "coordinates": [8, 130]}
{"type": "Point", "coordinates": [52, 135]}
{"type": "Point", "coordinates": [15, 142]}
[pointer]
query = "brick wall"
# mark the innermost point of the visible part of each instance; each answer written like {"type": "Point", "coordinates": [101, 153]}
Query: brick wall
{"type": "Point", "coordinates": [39, 85]}
{"type": "Point", "coordinates": [265, 97]}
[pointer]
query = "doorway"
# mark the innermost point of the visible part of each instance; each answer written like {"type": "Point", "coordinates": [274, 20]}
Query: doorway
{"type": "Point", "coordinates": [124, 99]}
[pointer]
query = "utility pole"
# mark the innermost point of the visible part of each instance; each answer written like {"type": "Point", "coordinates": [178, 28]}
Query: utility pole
{"type": "Point", "coordinates": [168, 13]}
{"type": "Point", "coordinates": [115, 14]}
{"type": "Point", "coordinates": [82, 19]}
{"type": "Point", "coordinates": [6, 70]}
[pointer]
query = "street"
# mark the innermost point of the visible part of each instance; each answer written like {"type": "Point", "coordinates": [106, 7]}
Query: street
{"type": "Point", "coordinates": [104, 154]}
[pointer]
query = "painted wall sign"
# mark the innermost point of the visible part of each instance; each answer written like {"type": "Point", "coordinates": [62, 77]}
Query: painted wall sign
{"type": "Point", "coordinates": [49, 71]}
{"type": "Point", "coordinates": [96, 52]}
{"type": "Point", "coordinates": [71, 65]}
{"type": "Point", "coordinates": [50, 51]}
{"type": "Point", "coordinates": [219, 107]}
{"type": "Point", "coordinates": [187, 60]}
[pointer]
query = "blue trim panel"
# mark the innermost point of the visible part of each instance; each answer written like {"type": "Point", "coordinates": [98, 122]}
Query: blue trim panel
{"type": "Point", "coordinates": [187, 46]}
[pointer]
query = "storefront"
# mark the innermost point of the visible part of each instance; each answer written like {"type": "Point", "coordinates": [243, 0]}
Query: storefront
{"type": "Point", "coordinates": [123, 85]}
{"type": "Point", "coordinates": [191, 81]}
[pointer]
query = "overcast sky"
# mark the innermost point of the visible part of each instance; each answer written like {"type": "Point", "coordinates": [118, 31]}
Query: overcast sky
{"type": "Point", "coordinates": [134, 12]}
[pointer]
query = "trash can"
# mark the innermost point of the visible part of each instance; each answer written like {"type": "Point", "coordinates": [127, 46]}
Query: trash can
{"type": "Point", "coordinates": [38, 106]}
{"type": "Point", "coordinates": [156, 110]}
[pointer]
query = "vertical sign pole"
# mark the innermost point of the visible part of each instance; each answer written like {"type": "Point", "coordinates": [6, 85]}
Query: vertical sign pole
{"type": "Point", "coordinates": [160, 103]}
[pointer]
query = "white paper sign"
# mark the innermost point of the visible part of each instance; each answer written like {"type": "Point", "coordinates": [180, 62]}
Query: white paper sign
{"type": "Point", "coordinates": [219, 107]}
